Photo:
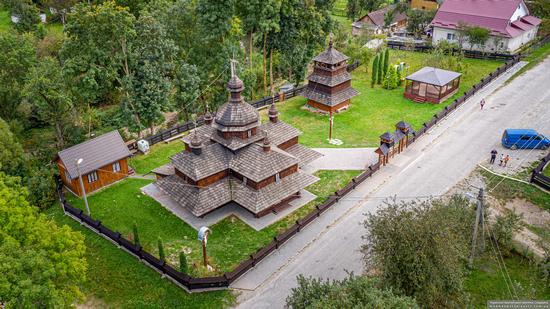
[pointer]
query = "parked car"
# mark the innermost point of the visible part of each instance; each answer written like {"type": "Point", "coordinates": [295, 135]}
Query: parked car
{"type": "Point", "coordinates": [524, 139]}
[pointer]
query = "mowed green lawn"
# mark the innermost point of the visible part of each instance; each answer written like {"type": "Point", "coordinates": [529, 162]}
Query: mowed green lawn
{"type": "Point", "coordinates": [158, 155]}
{"type": "Point", "coordinates": [375, 110]}
{"type": "Point", "coordinates": [232, 241]}
{"type": "Point", "coordinates": [115, 279]}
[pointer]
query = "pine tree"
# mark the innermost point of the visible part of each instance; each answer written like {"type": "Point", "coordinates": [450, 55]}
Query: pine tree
{"type": "Point", "coordinates": [374, 71]}
{"type": "Point", "coordinates": [162, 257]}
{"type": "Point", "coordinates": [390, 80]}
{"type": "Point", "coordinates": [380, 74]}
{"type": "Point", "coordinates": [386, 60]}
{"type": "Point", "coordinates": [136, 235]}
{"type": "Point", "coordinates": [183, 263]}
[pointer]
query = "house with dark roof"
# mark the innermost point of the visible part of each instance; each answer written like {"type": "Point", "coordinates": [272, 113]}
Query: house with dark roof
{"type": "Point", "coordinates": [509, 22]}
{"type": "Point", "coordinates": [103, 161]}
{"type": "Point", "coordinates": [234, 158]}
{"type": "Point", "coordinates": [373, 22]}
{"type": "Point", "coordinates": [329, 86]}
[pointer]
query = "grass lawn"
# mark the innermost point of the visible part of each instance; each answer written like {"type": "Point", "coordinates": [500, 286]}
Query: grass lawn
{"type": "Point", "coordinates": [546, 170]}
{"type": "Point", "coordinates": [115, 279]}
{"type": "Point", "coordinates": [506, 189]}
{"type": "Point", "coordinates": [375, 110]}
{"type": "Point", "coordinates": [122, 204]}
{"type": "Point", "coordinates": [485, 282]}
{"type": "Point", "coordinates": [536, 57]}
{"type": "Point", "coordinates": [158, 155]}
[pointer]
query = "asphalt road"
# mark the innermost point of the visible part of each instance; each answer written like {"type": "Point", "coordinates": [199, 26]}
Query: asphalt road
{"type": "Point", "coordinates": [430, 167]}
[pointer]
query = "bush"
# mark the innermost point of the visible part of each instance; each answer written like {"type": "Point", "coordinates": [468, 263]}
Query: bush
{"type": "Point", "coordinates": [505, 228]}
{"type": "Point", "coordinates": [391, 80]}
{"type": "Point", "coordinates": [352, 292]}
{"type": "Point", "coordinates": [419, 249]}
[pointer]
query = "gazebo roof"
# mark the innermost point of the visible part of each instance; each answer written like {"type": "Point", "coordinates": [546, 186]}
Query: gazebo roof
{"type": "Point", "coordinates": [433, 76]}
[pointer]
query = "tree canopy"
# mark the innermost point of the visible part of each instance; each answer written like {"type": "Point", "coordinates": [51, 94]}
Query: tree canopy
{"type": "Point", "coordinates": [419, 249]}
{"type": "Point", "coordinates": [41, 264]}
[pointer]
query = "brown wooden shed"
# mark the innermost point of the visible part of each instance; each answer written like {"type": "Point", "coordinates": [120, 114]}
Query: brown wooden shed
{"type": "Point", "coordinates": [104, 161]}
{"type": "Point", "coordinates": [431, 85]}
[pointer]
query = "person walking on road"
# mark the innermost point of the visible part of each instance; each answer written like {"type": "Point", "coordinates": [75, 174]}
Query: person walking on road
{"type": "Point", "coordinates": [501, 158]}
{"type": "Point", "coordinates": [493, 156]}
{"type": "Point", "coordinates": [506, 159]}
{"type": "Point", "coordinates": [482, 103]}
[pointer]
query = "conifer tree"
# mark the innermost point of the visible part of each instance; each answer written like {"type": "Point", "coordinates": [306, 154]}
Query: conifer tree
{"type": "Point", "coordinates": [380, 74]}
{"type": "Point", "coordinates": [183, 263]}
{"type": "Point", "coordinates": [162, 257]}
{"type": "Point", "coordinates": [374, 71]}
{"type": "Point", "coordinates": [136, 235]}
{"type": "Point", "coordinates": [386, 61]}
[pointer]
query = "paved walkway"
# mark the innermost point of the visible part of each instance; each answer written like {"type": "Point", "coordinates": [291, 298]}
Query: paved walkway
{"type": "Point", "coordinates": [430, 167]}
{"type": "Point", "coordinates": [343, 159]}
{"type": "Point", "coordinates": [221, 213]}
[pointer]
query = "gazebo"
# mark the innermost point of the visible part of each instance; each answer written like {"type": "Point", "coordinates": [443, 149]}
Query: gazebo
{"type": "Point", "coordinates": [431, 85]}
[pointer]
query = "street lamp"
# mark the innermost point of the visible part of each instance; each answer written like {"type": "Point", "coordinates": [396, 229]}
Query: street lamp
{"type": "Point", "coordinates": [78, 162]}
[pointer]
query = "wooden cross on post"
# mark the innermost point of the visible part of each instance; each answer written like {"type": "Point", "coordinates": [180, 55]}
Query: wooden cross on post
{"type": "Point", "coordinates": [204, 232]}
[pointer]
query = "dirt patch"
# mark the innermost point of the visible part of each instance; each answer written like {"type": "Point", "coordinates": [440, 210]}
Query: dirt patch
{"type": "Point", "coordinates": [532, 214]}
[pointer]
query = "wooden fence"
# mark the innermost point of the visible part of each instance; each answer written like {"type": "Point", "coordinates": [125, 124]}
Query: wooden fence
{"type": "Point", "coordinates": [537, 177]}
{"type": "Point", "coordinates": [467, 53]}
{"type": "Point", "coordinates": [223, 281]}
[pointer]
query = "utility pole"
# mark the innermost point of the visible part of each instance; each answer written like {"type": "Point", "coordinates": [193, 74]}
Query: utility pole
{"type": "Point", "coordinates": [78, 162]}
{"type": "Point", "coordinates": [479, 222]}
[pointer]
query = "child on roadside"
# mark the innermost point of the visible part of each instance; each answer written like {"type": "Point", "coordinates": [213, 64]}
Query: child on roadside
{"type": "Point", "coordinates": [506, 159]}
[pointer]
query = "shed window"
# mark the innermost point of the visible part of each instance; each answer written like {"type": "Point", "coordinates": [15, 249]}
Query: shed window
{"type": "Point", "coordinates": [92, 177]}
{"type": "Point", "coordinates": [116, 167]}
{"type": "Point", "coordinates": [277, 177]}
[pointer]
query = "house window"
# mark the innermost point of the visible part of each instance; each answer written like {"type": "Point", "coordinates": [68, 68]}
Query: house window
{"type": "Point", "coordinates": [277, 177]}
{"type": "Point", "coordinates": [116, 167]}
{"type": "Point", "coordinates": [450, 36]}
{"type": "Point", "coordinates": [92, 177]}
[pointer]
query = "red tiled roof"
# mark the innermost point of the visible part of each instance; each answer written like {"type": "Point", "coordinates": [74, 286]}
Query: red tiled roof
{"type": "Point", "coordinates": [491, 14]}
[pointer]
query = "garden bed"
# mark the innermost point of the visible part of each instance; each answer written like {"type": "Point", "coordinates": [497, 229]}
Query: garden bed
{"type": "Point", "coordinates": [376, 110]}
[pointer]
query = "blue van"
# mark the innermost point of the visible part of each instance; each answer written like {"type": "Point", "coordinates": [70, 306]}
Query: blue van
{"type": "Point", "coordinates": [524, 139]}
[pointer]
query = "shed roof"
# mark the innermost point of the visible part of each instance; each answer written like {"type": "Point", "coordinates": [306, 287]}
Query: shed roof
{"type": "Point", "coordinates": [433, 76]}
{"type": "Point", "coordinates": [95, 153]}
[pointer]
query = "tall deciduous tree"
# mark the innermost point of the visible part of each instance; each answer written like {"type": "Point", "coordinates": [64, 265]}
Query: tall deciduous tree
{"type": "Point", "coordinates": [17, 56]}
{"type": "Point", "coordinates": [187, 85]}
{"type": "Point", "coordinates": [371, 5]}
{"type": "Point", "coordinates": [352, 292]}
{"type": "Point", "coordinates": [419, 249]}
{"type": "Point", "coordinates": [418, 20]}
{"type": "Point", "coordinates": [41, 264]}
{"type": "Point", "coordinates": [47, 91]}
{"type": "Point", "coordinates": [97, 49]}
{"type": "Point", "coordinates": [477, 36]}
{"type": "Point", "coordinates": [353, 9]}
{"type": "Point", "coordinates": [147, 85]}
{"type": "Point", "coordinates": [11, 152]}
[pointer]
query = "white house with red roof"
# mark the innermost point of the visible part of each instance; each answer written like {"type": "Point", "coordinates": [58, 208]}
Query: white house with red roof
{"type": "Point", "coordinates": [509, 21]}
